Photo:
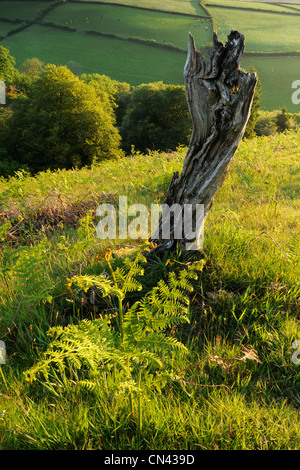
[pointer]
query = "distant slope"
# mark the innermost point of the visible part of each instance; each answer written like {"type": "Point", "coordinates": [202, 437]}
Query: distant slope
{"type": "Point", "coordinates": [122, 60]}
{"type": "Point", "coordinates": [141, 41]}
{"type": "Point", "coordinates": [181, 6]}
{"type": "Point", "coordinates": [125, 22]}
{"type": "Point", "coordinates": [264, 32]}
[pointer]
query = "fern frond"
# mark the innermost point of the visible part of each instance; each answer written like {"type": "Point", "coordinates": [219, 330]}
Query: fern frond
{"type": "Point", "coordinates": [126, 276]}
{"type": "Point", "coordinates": [82, 352]}
{"type": "Point", "coordinates": [157, 343]}
{"type": "Point", "coordinates": [146, 357]}
{"type": "Point", "coordinates": [164, 306]}
{"type": "Point", "coordinates": [104, 284]}
{"type": "Point", "coordinates": [87, 385]}
{"type": "Point", "coordinates": [88, 344]}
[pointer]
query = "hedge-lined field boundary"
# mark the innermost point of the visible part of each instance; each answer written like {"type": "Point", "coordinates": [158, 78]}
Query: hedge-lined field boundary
{"type": "Point", "coordinates": [141, 8]}
{"type": "Point", "coordinates": [149, 42]}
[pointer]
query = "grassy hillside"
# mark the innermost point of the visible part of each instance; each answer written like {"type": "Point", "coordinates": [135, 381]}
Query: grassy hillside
{"type": "Point", "coordinates": [249, 5]}
{"type": "Point", "coordinates": [264, 32]}
{"type": "Point", "coordinates": [195, 6]}
{"type": "Point", "coordinates": [179, 6]}
{"type": "Point", "coordinates": [132, 23]}
{"type": "Point", "coordinates": [130, 40]}
{"type": "Point", "coordinates": [139, 63]}
{"type": "Point", "coordinates": [22, 10]}
{"type": "Point", "coordinates": [245, 302]}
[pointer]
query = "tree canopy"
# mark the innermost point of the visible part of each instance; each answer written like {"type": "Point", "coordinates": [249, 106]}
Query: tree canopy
{"type": "Point", "coordinates": [157, 117]}
{"type": "Point", "coordinates": [7, 65]}
{"type": "Point", "coordinates": [63, 123]}
{"type": "Point", "coordinates": [32, 67]}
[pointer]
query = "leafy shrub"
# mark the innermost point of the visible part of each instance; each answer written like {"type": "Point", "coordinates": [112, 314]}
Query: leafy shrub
{"type": "Point", "coordinates": [157, 118]}
{"type": "Point", "coordinates": [265, 126]}
{"type": "Point", "coordinates": [7, 62]}
{"type": "Point", "coordinates": [284, 121]}
{"type": "Point", "coordinates": [64, 124]}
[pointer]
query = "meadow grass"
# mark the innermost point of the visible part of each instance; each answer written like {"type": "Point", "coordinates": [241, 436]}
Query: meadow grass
{"type": "Point", "coordinates": [276, 75]}
{"type": "Point", "coordinates": [129, 23]}
{"type": "Point", "coordinates": [179, 6]}
{"type": "Point", "coordinates": [95, 54]}
{"type": "Point", "coordinates": [7, 27]}
{"type": "Point", "coordinates": [246, 297]}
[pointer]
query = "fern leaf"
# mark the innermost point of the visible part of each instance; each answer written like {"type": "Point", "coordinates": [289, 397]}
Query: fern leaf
{"type": "Point", "coordinates": [104, 285]}
{"type": "Point", "coordinates": [88, 344]}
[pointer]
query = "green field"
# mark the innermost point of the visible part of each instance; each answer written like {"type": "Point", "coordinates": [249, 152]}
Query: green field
{"type": "Point", "coordinates": [264, 32]}
{"type": "Point", "coordinates": [22, 10]}
{"type": "Point", "coordinates": [277, 75]}
{"type": "Point", "coordinates": [293, 2]}
{"type": "Point", "coordinates": [96, 54]}
{"type": "Point", "coordinates": [133, 60]}
{"type": "Point", "coordinates": [7, 27]}
{"type": "Point", "coordinates": [180, 6]}
{"type": "Point", "coordinates": [294, 7]}
{"type": "Point", "coordinates": [248, 5]}
{"type": "Point", "coordinates": [128, 23]}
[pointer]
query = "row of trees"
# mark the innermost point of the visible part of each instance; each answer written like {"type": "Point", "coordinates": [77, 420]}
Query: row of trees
{"type": "Point", "coordinates": [56, 119]}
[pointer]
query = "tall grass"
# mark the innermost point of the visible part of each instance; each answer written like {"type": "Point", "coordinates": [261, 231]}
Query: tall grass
{"type": "Point", "coordinates": [237, 388]}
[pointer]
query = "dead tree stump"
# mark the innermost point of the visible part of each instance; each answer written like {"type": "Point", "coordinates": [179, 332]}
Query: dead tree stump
{"type": "Point", "coordinates": [219, 96]}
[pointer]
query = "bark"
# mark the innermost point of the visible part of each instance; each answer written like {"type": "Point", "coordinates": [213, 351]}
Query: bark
{"type": "Point", "coordinates": [219, 96]}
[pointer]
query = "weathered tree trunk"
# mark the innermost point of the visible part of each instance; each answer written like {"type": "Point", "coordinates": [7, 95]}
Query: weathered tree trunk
{"type": "Point", "coordinates": [219, 97]}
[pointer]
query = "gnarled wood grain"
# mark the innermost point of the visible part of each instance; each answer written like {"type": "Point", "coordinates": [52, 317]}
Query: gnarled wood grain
{"type": "Point", "coordinates": [219, 96]}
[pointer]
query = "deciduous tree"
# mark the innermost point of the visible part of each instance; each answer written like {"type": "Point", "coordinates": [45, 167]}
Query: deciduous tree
{"type": "Point", "coordinates": [64, 124]}
{"type": "Point", "coordinates": [7, 65]}
{"type": "Point", "coordinates": [157, 118]}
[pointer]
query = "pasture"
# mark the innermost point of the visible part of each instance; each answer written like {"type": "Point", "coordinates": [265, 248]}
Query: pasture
{"type": "Point", "coordinates": [264, 32]}
{"type": "Point", "coordinates": [277, 75]}
{"type": "Point", "coordinates": [122, 60]}
{"type": "Point", "coordinates": [132, 23]}
{"type": "Point", "coordinates": [27, 10]}
{"type": "Point", "coordinates": [293, 2]}
{"type": "Point", "coordinates": [179, 6]}
{"type": "Point", "coordinates": [7, 27]}
{"type": "Point", "coordinates": [134, 43]}
{"type": "Point", "coordinates": [248, 5]}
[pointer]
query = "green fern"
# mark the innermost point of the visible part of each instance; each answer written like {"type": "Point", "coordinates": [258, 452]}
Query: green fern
{"type": "Point", "coordinates": [103, 284]}
{"type": "Point", "coordinates": [139, 347]}
{"type": "Point", "coordinates": [78, 347]}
